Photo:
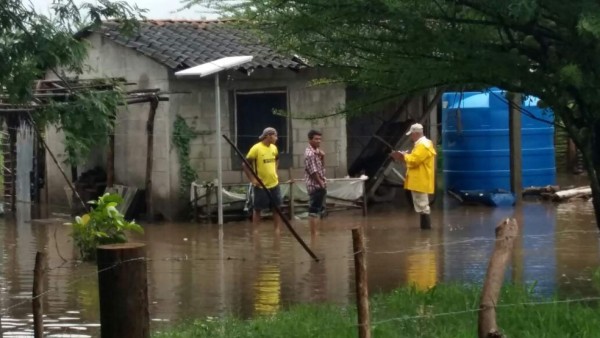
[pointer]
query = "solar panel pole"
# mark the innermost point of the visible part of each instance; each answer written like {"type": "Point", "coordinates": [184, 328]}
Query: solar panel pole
{"type": "Point", "coordinates": [219, 154]}
{"type": "Point", "coordinates": [205, 69]}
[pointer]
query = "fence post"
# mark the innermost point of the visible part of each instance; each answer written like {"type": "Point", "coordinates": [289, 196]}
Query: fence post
{"type": "Point", "coordinates": [506, 232]}
{"type": "Point", "coordinates": [292, 206]}
{"type": "Point", "coordinates": [122, 283]}
{"type": "Point", "coordinates": [38, 289]}
{"type": "Point", "coordinates": [365, 199]}
{"type": "Point", "coordinates": [195, 201]}
{"type": "Point", "coordinates": [360, 275]}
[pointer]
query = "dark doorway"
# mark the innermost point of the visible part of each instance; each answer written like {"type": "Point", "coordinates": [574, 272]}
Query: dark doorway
{"type": "Point", "coordinates": [254, 112]}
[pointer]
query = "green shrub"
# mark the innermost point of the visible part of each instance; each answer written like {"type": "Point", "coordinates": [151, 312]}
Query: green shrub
{"type": "Point", "coordinates": [104, 224]}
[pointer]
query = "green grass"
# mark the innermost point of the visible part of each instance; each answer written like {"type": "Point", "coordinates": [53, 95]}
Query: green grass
{"type": "Point", "coordinates": [444, 311]}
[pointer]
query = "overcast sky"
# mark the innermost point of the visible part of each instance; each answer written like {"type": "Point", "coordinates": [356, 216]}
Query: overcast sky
{"type": "Point", "coordinates": [157, 9]}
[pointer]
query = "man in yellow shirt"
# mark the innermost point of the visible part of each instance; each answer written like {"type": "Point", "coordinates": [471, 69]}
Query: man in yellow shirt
{"type": "Point", "coordinates": [420, 171]}
{"type": "Point", "coordinates": [264, 159]}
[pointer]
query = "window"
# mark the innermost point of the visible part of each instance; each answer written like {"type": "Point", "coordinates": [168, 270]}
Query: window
{"type": "Point", "coordinates": [256, 110]}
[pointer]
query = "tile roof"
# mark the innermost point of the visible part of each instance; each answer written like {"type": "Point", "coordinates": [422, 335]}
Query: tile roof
{"type": "Point", "coordinates": [183, 44]}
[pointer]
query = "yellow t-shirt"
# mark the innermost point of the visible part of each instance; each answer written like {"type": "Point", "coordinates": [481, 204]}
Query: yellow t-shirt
{"type": "Point", "coordinates": [265, 159]}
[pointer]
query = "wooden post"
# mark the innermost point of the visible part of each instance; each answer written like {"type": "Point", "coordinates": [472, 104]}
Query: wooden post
{"type": "Point", "coordinates": [149, 157]}
{"type": "Point", "coordinates": [38, 133]}
{"type": "Point", "coordinates": [364, 199]}
{"type": "Point", "coordinates": [217, 200]}
{"type": "Point", "coordinates": [506, 232]}
{"type": "Point", "coordinates": [195, 201]}
{"type": "Point", "coordinates": [360, 276]}
{"type": "Point", "coordinates": [122, 283]}
{"type": "Point", "coordinates": [110, 161]}
{"type": "Point", "coordinates": [208, 199]}
{"type": "Point", "coordinates": [514, 131]}
{"type": "Point", "coordinates": [292, 206]}
{"type": "Point", "coordinates": [12, 132]}
{"type": "Point", "coordinates": [38, 290]}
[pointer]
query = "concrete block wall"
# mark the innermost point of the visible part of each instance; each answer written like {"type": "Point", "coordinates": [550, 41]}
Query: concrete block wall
{"type": "Point", "coordinates": [107, 59]}
{"type": "Point", "coordinates": [197, 107]}
{"type": "Point", "coordinates": [194, 100]}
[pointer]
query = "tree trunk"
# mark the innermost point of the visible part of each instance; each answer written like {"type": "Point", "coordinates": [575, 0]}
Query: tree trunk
{"type": "Point", "coordinates": [570, 193]}
{"type": "Point", "coordinates": [594, 171]}
{"type": "Point", "coordinates": [591, 162]}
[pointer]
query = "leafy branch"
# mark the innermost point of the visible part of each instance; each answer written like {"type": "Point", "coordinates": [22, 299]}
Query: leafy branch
{"type": "Point", "coordinates": [182, 135]}
{"type": "Point", "coordinates": [87, 119]}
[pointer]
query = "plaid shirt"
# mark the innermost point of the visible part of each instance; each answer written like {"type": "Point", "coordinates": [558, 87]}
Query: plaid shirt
{"type": "Point", "coordinates": [313, 163]}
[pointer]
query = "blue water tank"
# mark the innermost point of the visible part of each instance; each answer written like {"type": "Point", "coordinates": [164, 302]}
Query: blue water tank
{"type": "Point", "coordinates": [475, 141]}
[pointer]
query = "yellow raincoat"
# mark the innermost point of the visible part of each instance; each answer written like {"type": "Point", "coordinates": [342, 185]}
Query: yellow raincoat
{"type": "Point", "coordinates": [420, 167]}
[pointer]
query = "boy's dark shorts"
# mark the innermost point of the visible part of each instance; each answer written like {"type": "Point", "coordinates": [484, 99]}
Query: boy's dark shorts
{"type": "Point", "coordinates": [262, 201]}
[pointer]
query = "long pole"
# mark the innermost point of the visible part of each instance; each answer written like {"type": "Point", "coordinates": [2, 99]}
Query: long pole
{"type": "Point", "coordinates": [39, 135]}
{"type": "Point", "coordinates": [276, 208]}
{"type": "Point", "coordinates": [150, 157]}
{"type": "Point", "coordinates": [219, 157]}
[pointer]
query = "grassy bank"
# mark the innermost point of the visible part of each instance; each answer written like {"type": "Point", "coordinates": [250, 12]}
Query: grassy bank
{"type": "Point", "coordinates": [445, 311]}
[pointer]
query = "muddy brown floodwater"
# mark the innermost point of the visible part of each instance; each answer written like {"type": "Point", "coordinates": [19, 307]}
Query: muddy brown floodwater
{"type": "Point", "coordinates": [199, 270]}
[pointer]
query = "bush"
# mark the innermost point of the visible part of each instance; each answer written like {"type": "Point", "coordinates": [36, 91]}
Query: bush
{"type": "Point", "coordinates": [104, 224]}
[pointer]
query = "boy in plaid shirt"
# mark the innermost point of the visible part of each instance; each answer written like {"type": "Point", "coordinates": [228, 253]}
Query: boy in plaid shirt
{"type": "Point", "coordinates": [314, 174]}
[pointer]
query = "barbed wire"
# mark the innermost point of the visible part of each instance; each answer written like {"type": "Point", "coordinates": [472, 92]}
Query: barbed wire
{"type": "Point", "coordinates": [343, 257]}
{"type": "Point", "coordinates": [45, 292]}
{"type": "Point", "coordinates": [507, 305]}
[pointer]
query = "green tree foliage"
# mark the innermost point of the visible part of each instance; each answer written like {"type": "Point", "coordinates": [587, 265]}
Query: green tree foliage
{"type": "Point", "coordinates": [182, 136]}
{"type": "Point", "coordinates": [391, 47]}
{"type": "Point", "coordinates": [86, 120]}
{"type": "Point", "coordinates": [104, 224]}
{"type": "Point", "coordinates": [32, 44]}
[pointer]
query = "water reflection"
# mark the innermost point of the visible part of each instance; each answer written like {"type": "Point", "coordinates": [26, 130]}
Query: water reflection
{"type": "Point", "coordinates": [267, 289]}
{"type": "Point", "coordinates": [197, 270]}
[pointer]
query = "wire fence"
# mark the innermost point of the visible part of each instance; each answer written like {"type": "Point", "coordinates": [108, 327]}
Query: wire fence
{"type": "Point", "coordinates": [341, 258]}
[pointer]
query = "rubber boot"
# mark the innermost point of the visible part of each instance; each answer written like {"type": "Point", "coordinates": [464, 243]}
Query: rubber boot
{"type": "Point", "coordinates": [425, 222]}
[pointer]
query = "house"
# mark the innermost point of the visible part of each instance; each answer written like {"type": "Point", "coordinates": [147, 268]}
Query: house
{"type": "Point", "coordinates": [272, 90]}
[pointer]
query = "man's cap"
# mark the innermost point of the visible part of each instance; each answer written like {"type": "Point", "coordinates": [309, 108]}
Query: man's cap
{"type": "Point", "coordinates": [417, 127]}
{"type": "Point", "coordinates": [268, 131]}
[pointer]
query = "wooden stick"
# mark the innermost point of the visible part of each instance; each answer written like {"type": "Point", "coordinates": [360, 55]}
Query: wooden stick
{"type": "Point", "coordinates": [360, 276]}
{"type": "Point", "coordinates": [37, 132]}
{"type": "Point", "coordinates": [365, 199]}
{"type": "Point", "coordinates": [292, 205]}
{"type": "Point", "coordinates": [506, 232]}
{"type": "Point", "coordinates": [149, 158]}
{"type": "Point", "coordinates": [38, 290]}
{"type": "Point", "coordinates": [195, 201]}
{"type": "Point", "coordinates": [276, 208]}
{"type": "Point", "coordinates": [110, 161]}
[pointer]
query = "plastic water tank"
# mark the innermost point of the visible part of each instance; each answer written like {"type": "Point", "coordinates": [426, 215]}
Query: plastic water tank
{"type": "Point", "coordinates": [475, 142]}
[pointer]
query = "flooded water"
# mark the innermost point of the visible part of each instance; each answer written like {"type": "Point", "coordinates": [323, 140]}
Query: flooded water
{"type": "Point", "coordinates": [199, 270]}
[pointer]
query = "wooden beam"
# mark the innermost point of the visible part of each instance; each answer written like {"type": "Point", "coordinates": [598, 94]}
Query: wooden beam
{"type": "Point", "coordinates": [110, 161]}
{"type": "Point", "coordinates": [514, 131]}
{"type": "Point", "coordinates": [150, 157]}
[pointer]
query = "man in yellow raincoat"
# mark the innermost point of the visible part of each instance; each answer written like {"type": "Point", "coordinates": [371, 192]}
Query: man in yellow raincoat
{"type": "Point", "coordinates": [420, 171]}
